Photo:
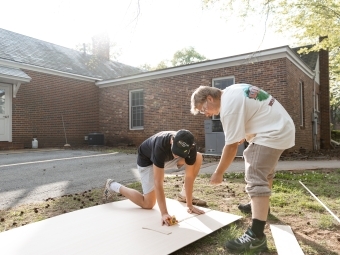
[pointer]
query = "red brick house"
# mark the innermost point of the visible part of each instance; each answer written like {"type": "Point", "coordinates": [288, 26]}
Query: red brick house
{"type": "Point", "coordinates": [45, 88]}
{"type": "Point", "coordinates": [50, 84]}
{"type": "Point", "coordinates": [134, 107]}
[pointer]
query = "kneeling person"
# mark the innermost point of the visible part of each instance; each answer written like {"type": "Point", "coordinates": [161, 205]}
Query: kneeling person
{"type": "Point", "coordinates": [162, 151]}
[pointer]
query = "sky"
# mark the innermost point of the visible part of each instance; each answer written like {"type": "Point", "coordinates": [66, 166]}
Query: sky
{"type": "Point", "coordinates": [145, 31]}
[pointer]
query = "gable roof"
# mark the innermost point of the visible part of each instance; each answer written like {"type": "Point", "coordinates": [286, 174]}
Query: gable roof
{"type": "Point", "coordinates": [21, 49]}
{"type": "Point", "coordinates": [310, 59]}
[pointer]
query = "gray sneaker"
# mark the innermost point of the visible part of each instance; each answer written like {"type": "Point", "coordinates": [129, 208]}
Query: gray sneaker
{"type": "Point", "coordinates": [247, 242]}
{"type": "Point", "coordinates": [108, 193]}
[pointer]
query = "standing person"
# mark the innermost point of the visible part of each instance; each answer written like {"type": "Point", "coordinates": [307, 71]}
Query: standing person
{"type": "Point", "coordinates": [164, 150]}
{"type": "Point", "coordinates": [251, 113]}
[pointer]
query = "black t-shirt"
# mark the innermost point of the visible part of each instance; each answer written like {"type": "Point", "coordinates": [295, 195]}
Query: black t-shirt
{"type": "Point", "coordinates": [157, 150]}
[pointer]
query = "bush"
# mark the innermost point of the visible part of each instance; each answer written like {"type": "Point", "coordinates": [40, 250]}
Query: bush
{"type": "Point", "coordinates": [335, 134]}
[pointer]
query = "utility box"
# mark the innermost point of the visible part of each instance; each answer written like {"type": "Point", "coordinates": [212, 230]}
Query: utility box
{"type": "Point", "coordinates": [214, 138]}
{"type": "Point", "coordinates": [95, 139]}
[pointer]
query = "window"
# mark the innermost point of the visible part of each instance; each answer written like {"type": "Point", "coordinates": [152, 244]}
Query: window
{"type": "Point", "coordinates": [301, 104]}
{"type": "Point", "coordinates": [136, 109]}
{"type": "Point", "coordinates": [222, 83]}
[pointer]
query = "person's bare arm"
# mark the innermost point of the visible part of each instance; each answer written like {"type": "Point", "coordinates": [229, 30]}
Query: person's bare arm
{"type": "Point", "coordinates": [160, 196]}
{"type": "Point", "coordinates": [190, 176]}
{"type": "Point", "coordinates": [227, 157]}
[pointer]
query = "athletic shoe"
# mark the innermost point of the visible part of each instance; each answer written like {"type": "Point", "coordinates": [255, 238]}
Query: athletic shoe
{"type": "Point", "coordinates": [108, 193]}
{"type": "Point", "coordinates": [246, 208]}
{"type": "Point", "coordinates": [195, 201]}
{"type": "Point", "coordinates": [247, 242]}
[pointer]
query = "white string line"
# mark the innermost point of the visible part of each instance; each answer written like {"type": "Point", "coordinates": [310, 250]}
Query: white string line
{"type": "Point", "coordinates": [335, 217]}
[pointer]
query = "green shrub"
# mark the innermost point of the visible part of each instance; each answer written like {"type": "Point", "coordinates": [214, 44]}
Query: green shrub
{"type": "Point", "coordinates": [335, 134]}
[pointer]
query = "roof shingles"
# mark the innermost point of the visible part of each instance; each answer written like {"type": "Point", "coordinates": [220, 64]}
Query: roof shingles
{"type": "Point", "coordinates": [24, 49]}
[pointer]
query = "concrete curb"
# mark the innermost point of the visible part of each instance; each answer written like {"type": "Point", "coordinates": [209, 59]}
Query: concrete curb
{"type": "Point", "coordinates": [238, 166]}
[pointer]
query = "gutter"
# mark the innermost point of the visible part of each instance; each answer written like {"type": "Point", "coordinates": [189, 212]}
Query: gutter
{"type": "Point", "coordinates": [270, 54]}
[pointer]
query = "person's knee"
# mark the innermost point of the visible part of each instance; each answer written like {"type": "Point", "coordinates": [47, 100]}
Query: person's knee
{"type": "Point", "coordinates": [149, 200]}
{"type": "Point", "coordinates": [148, 204]}
{"type": "Point", "coordinates": [258, 191]}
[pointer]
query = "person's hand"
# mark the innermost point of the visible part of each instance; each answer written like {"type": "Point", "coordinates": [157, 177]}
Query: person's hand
{"type": "Point", "coordinates": [216, 178]}
{"type": "Point", "coordinates": [193, 209]}
{"type": "Point", "coordinates": [166, 218]}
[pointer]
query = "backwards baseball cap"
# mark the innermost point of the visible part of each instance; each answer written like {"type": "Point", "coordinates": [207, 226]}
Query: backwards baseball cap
{"type": "Point", "coordinates": [182, 143]}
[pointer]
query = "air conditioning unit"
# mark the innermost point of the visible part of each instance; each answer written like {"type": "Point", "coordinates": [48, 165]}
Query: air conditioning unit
{"type": "Point", "coordinates": [95, 139]}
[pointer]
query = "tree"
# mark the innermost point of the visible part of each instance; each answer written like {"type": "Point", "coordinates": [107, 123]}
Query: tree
{"type": "Point", "coordinates": [335, 102]}
{"type": "Point", "coordinates": [184, 56]}
{"type": "Point", "coordinates": [309, 20]}
{"type": "Point", "coordinates": [161, 65]}
{"type": "Point", "coordinates": [187, 56]}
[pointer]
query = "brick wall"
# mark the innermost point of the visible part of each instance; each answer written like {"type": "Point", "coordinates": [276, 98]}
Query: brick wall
{"type": "Point", "coordinates": [304, 133]}
{"type": "Point", "coordinates": [39, 106]}
{"type": "Point", "coordinates": [167, 100]}
{"type": "Point", "coordinates": [325, 132]}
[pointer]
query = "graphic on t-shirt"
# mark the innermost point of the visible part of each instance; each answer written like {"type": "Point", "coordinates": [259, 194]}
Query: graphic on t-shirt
{"type": "Point", "coordinates": [255, 93]}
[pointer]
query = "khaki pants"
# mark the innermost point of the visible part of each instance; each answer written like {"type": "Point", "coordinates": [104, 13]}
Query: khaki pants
{"type": "Point", "coordinates": [260, 163]}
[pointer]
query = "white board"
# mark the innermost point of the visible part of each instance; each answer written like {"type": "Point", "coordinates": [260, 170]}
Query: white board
{"type": "Point", "coordinates": [113, 228]}
{"type": "Point", "coordinates": [285, 241]}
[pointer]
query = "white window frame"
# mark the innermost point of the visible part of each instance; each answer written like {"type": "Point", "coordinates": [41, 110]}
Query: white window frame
{"type": "Point", "coordinates": [217, 117]}
{"type": "Point", "coordinates": [130, 110]}
{"type": "Point", "coordinates": [302, 117]}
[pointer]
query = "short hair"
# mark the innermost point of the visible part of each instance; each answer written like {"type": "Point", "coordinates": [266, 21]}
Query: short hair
{"type": "Point", "coordinates": [200, 95]}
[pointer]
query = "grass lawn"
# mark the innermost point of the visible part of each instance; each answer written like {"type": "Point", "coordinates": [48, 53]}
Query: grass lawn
{"type": "Point", "coordinates": [315, 229]}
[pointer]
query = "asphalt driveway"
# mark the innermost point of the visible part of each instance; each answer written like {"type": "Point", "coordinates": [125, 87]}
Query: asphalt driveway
{"type": "Point", "coordinates": [28, 176]}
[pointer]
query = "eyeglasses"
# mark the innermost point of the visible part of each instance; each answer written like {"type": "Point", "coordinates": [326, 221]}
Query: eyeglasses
{"type": "Point", "coordinates": [204, 108]}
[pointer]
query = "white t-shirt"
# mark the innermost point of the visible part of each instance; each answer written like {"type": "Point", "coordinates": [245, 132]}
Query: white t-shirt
{"type": "Point", "coordinates": [249, 112]}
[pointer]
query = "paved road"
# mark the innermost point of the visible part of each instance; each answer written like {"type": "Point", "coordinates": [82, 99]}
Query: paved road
{"type": "Point", "coordinates": [33, 175]}
{"type": "Point", "coordinates": [28, 176]}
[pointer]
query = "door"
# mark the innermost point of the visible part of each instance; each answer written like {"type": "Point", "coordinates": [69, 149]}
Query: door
{"type": "Point", "coordinates": [5, 112]}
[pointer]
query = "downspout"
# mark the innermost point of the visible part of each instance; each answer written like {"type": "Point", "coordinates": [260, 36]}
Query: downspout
{"type": "Point", "coordinates": [315, 117]}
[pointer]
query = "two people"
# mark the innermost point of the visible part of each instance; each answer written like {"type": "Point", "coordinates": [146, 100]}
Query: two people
{"type": "Point", "coordinates": [248, 112]}
{"type": "Point", "coordinates": [162, 151]}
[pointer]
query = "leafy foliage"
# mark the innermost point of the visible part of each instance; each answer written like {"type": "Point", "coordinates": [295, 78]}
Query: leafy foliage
{"type": "Point", "coordinates": [307, 20]}
{"type": "Point", "coordinates": [186, 56]}
{"type": "Point", "coordinates": [182, 57]}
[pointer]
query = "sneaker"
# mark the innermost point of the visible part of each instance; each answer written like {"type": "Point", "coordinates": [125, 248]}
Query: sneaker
{"type": "Point", "coordinates": [246, 208]}
{"type": "Point", "coordinates": [108, 193]}
{"type": "Point", "coordinates": [195, 201]}
{"type": "Point", "coordinates": [247, 242]}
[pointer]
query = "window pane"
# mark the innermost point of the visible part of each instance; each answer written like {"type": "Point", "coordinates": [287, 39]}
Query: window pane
{"type": "Point", "coordinates": [301, 104]}
{"type": "Point", "coordinates": [2, 101]}
{"type": "Point", "coordinates": [222, 84]}
{"type": "Point", "coordinates": [137, 109]}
